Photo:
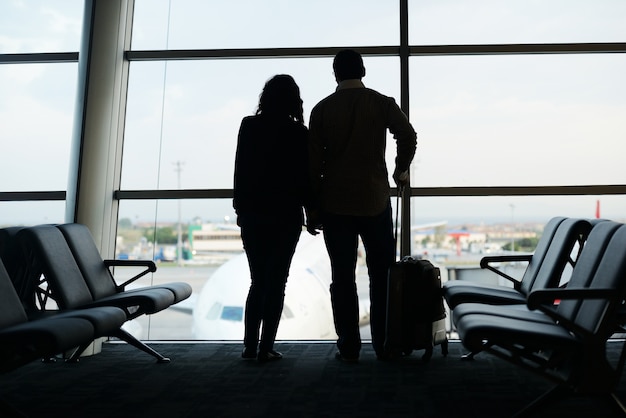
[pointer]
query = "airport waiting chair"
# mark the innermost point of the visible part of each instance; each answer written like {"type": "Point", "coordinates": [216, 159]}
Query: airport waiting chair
{"type": "Point", "coordinates": [48, 253]}
{"type": "Point", "coordinates": [547, 275]}
{"type": "Point", "coordinates": [105, 320]}
{"type": "Point", "coordinates": [545, 270]}
{"type": "Point", "coordinates": [16, 266]}
{"type": "Point", "coordinates": [97, 273]}
{"type": "Point", "coordinates": [568, 346]}
{"type": "Point", "coordinates": [559, 237]}
{"type": "Point", "coordinates": [23, 340]}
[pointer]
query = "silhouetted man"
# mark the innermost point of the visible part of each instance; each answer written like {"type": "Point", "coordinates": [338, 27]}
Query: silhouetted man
{"type": "Point", "coordinates": [348, 132]}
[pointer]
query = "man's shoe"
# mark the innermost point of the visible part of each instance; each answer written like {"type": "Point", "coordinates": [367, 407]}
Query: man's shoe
{"type": "Point", "coordinates": [248, 353]}
{"type": "Point", "coordinates": [346, 359]}
{"type": "Point", "coordinates": [270, 355]}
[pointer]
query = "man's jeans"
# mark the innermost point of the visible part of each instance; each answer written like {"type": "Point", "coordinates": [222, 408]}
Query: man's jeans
{"type": "Point", "coordinates": [341, 233]}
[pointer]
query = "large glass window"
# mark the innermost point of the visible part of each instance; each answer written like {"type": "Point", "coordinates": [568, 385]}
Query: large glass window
{"type": "Point", "coordinates": [36, 115]}
{"type": "Point", "coordinates": [482, 121]}
{"type": "Point", "coordinates": [181, 132]}
{"type": "Point", "coordinates": [35, 26]}
{"type": "Point", "coordinates": [198, 24]}
{"type": "Point", "coordinates": [36, 104]}
{"type": "Point", "coordinates": [520, 120]}
{"type": "Point", "coordinates": [453, 22]}
{"type": "Point", "coordinates": [206, 251]}
{"type": "Point", "coordinates": [183, 116]}
{"type": "Point", "coordinates": [453, 232]}
{"type": "Point", "coordinates": [457, 211]}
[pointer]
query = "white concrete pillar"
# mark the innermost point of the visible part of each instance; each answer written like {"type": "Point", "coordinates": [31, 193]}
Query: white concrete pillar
{"type": "Point", "coordinates": [99, 120]}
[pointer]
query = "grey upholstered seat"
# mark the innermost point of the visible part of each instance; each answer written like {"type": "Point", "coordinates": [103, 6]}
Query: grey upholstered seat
{"type": "Point", "coordinates": [547, 275]}
{"type": "Point", "coordinates": [23, 340]}
{"type": "Point", "coordinates": [544, 269]}
{"type": "Point", "coordinates": [48, 252]}
{"type": "Point", "coordinates": [568, 344]}
{"type": "Point", "coordinates": [96, 272]}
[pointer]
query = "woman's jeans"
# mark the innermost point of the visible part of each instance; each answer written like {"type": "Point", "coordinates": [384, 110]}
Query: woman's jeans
{"type": "Point", "coordinates": [270, 243]}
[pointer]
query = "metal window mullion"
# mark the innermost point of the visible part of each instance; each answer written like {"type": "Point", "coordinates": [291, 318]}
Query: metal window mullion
{"type": "Point", "coordinates": [405, 225]}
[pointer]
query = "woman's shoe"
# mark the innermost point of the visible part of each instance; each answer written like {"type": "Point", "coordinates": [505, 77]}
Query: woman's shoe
{"type": "Point", "coordinates": [270, 355]}
{"type": "Point", "coordinates": [346, 359]}
{"type": "Point", "coordinates": [248, 353]}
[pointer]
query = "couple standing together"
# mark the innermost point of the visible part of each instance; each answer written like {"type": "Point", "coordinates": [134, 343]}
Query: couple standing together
{"type": "Point", "coordinates": [336, 171]}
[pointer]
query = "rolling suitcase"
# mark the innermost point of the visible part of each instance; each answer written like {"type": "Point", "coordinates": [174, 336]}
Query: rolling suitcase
{"type": "Point", "coordinates": [415, 310]}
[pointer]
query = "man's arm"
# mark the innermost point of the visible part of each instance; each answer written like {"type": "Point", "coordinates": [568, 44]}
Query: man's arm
{"type": "Point", "coordinates": [406, 142]}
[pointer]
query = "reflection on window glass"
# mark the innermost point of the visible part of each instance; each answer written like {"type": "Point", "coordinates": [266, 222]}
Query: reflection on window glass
{"type": "Point", "coordinates": [527, 120]}
{"type": "Point", "coordinates": [36, 116]}
{"type": "Point", "coordinates": [183, 117]}
{"type": "Point", "coordinates": [516, 21]}
{"type": "Point", "coordinates": [275, 23]}
{"type": "Point", "coordinates": [40, 26]}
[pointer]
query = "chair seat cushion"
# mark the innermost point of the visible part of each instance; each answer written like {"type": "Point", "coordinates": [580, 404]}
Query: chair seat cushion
{"type": "Point", "coordinates": [149, 300]}
{"type": "Point", "coordinates": [459, 292]}
{"type": "Point", "coordinates": [23, 343]}
{"type": "Point", "coordinates": [106, 320]}
{"type": "Point", "coordinates": [181, 290]}
{"type": "Point", "coordinates": [474, 329]}
{"type": "Point", "coordinates": [505, 311]}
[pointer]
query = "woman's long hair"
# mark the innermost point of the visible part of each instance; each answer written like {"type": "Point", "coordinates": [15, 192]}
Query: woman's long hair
{"type": "Point", "coordinates": [281, 97]}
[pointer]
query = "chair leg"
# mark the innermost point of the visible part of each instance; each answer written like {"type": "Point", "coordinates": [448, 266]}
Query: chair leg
{"type": "Point", "coordinates": [617, 404]}
{"type": "Point", "coordinates": [557, 392]}
{"type": "Point", "coordinates": [75, 356]}
{"type": "Point", "coordinates": [9, 411]}
{"type": "Point", "coordinates": [125, 336]}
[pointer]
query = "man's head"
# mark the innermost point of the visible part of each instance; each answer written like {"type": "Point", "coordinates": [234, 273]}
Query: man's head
{"type": "Point", "coordinates": [348, 64]}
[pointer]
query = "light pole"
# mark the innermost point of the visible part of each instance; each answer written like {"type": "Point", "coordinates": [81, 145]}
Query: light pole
{"type": "Point", "coordinates": [179, 242]}
{"type": "Point", "coordinates": [512, 227]}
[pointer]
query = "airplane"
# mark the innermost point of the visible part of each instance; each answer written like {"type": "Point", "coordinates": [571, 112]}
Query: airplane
{"type": "Point", "coordinates": [219, 311]}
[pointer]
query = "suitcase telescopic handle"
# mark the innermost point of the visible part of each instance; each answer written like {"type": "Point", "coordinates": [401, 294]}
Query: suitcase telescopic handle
{"type": "Point", "coordinates": [400, 190]}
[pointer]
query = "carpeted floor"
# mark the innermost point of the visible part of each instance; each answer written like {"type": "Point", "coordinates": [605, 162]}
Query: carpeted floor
{"type": "Point", "coordinates": [211, 380]}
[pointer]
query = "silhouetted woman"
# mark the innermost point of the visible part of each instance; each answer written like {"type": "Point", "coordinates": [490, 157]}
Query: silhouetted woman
{"type": "Point", "coordinates": [270, 190]}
